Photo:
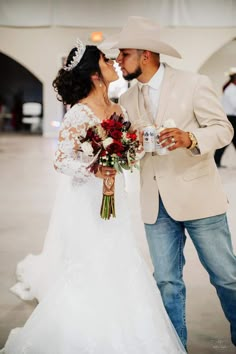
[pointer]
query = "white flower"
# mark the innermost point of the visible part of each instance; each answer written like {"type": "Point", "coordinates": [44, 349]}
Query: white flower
{"type": "Point", "coordinates": [107, 142]}
{"type": "Point", "coordinates": [87, 148]}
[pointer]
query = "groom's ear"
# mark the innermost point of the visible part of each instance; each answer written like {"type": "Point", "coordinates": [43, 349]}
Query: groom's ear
{"type": "Point", "coordinates": [146, 55]}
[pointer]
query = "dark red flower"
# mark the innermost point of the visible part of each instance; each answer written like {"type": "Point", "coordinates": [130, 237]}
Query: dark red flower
{"type": "Point", "coordinates": [110, 124]}
{"type": "Point", "coordinates": [119, 154]}
{"type": "Point", "coordinates": [116, 134]}
{"type": "Point", "coordinates": [96, 147]}
{"type": "Point", "coordinates": [103, 153]}
{"type": "Point", "coordinates": [97, 138]}
{"type": "Point", "coordinates": [131, 136]}
{"type": "Point", "coordinates": [90, 134]}
{"type": "Point", "coordinates": [115, 147]}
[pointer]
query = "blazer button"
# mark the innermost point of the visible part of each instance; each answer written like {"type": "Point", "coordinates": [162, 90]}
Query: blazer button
{"type": "Point", "coordinates": [154, 178]}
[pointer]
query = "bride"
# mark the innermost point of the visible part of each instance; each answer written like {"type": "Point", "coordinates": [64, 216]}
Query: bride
{"type": "Point", "coordinates": [96, 294]}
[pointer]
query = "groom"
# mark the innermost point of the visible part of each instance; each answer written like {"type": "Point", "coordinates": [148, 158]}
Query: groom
{"type": "Point", "coordinates": [180, 191]}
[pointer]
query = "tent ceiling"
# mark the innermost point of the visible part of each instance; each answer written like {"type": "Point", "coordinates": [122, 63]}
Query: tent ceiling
{"type": "Point", "coordinates": [110, 13]}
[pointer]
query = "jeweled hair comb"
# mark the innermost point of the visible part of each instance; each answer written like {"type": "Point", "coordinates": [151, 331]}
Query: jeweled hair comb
{"type": "Point", "coordinates": [80, 49]}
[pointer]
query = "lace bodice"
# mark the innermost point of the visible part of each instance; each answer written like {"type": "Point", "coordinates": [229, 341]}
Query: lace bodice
{"type": "Point", "coordinates": [69, 159]}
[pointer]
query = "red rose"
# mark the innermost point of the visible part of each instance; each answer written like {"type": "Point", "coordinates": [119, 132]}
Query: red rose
{"type": "Point", "coordinates": [115, 148]}
{"type": "Point", "coordinates": [117, 125]}
{"type": "Point", "coordinates": [131, 136]}
{"type": "Point", "coordinates": [107, 124]}
{"type": "Point", "coordinates": [116, 134]}
{"type": "Point", "coordinates": [110, 124]}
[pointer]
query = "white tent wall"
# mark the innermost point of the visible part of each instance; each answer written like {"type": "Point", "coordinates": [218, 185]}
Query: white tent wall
{"type": "Point", "coordinates": [112, 13]}
{"type": "Point", "coordinates": [217, 66]}
{"type": "Point", "coordinates": [41, 50]}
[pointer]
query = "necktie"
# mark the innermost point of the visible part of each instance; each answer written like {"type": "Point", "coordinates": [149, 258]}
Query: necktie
{"type": "Point", "coordinates": [147, 103]}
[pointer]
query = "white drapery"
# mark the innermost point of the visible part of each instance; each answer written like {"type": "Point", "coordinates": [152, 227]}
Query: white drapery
{"type": "Point", "coordinates": [113, 13]}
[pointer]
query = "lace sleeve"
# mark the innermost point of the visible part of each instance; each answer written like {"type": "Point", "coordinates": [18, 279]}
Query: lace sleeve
{"type": "Point", "coordinates": [68, 159]}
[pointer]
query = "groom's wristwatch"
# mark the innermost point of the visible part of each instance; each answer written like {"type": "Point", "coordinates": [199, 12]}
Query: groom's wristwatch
{"type": "Point", "coordinates": [193, 139]}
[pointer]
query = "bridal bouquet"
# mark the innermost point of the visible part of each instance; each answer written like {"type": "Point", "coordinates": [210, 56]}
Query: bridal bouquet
{"type": "Point", "coordinates": [112, 144]}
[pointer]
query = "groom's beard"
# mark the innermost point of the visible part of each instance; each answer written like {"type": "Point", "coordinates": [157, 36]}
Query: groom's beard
{"type": "Point", "coordinates": [133, 75]}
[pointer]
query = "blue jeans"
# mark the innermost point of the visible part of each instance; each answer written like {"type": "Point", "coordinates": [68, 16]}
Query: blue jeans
{"type": "Point", "coordinates": [212, 239]}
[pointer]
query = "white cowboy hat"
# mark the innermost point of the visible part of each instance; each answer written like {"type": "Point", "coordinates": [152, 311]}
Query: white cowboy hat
{"type": "Point", "coordinates": [232, 71]}
{"type": "Point", "coordinates": [140, 33]}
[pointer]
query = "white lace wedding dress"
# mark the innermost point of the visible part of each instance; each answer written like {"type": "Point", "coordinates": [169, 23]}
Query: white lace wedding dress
{"type": "Point", "coordinates": [96, 294]}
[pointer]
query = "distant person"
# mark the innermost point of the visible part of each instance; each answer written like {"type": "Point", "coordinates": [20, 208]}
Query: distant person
{"type": "Point", "coordinates": [229, 105]}
{"type": "Point", "coordinates": [3, 110]}
{"type": "Point", "coordinates": [17, 112]}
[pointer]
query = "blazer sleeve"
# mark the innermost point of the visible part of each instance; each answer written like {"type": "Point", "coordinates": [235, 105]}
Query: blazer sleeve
{"type": "Point", "coordinates": [215, 130]}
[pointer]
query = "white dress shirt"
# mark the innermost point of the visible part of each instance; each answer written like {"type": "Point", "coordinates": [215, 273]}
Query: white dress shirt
{"type": "Point", "coordinates": [229, 100]}
{"type": "Point", "coordinates": [154, 89]}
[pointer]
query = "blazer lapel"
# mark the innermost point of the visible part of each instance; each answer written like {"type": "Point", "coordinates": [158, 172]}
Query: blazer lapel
{"type": "Point", "coordinates": [165, 96]}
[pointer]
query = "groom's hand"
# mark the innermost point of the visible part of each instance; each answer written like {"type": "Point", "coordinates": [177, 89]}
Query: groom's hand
{"type": "Point", "coordinates": [174, 138]}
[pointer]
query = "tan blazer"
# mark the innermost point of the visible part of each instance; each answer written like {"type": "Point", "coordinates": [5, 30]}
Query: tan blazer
{"type": "Point", "coordinates": [189, 184]}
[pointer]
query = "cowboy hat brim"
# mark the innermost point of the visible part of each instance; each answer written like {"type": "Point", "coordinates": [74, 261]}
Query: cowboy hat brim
{"type": "Point", "coordinates": [152, 45]}
{"type": "Point", "coordinates": [140, 33]}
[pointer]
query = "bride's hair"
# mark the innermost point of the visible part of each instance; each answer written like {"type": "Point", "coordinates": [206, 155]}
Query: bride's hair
{"type": "Point", "coordinates": [76, 84]}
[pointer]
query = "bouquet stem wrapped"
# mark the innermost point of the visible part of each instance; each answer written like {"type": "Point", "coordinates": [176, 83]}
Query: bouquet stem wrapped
{"type": "Point", "coordinates": [108, 199]}
{"type": "Point", "coordinates": [112, 144]}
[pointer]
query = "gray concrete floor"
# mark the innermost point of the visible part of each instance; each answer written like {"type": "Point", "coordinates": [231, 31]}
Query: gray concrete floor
{"type": "Point", "coordinates": [27, 190]}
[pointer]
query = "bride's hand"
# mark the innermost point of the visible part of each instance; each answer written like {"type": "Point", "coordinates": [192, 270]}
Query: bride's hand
{"type": "Point", "coordinates": [105, 172]}
{"type": "Point", "coordinates": [140, 137]}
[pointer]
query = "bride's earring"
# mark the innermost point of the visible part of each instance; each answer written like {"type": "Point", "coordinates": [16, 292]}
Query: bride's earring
{"type": "Point", "coordinates": [100, 83]}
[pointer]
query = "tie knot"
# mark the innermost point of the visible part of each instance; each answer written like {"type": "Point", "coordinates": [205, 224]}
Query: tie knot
{"type": "Point", "coordinates": [145, 90]}
{"type": "Point", "coordinates": [145, 93]}
{"type": "Point", "coordinates": [146, 101]}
